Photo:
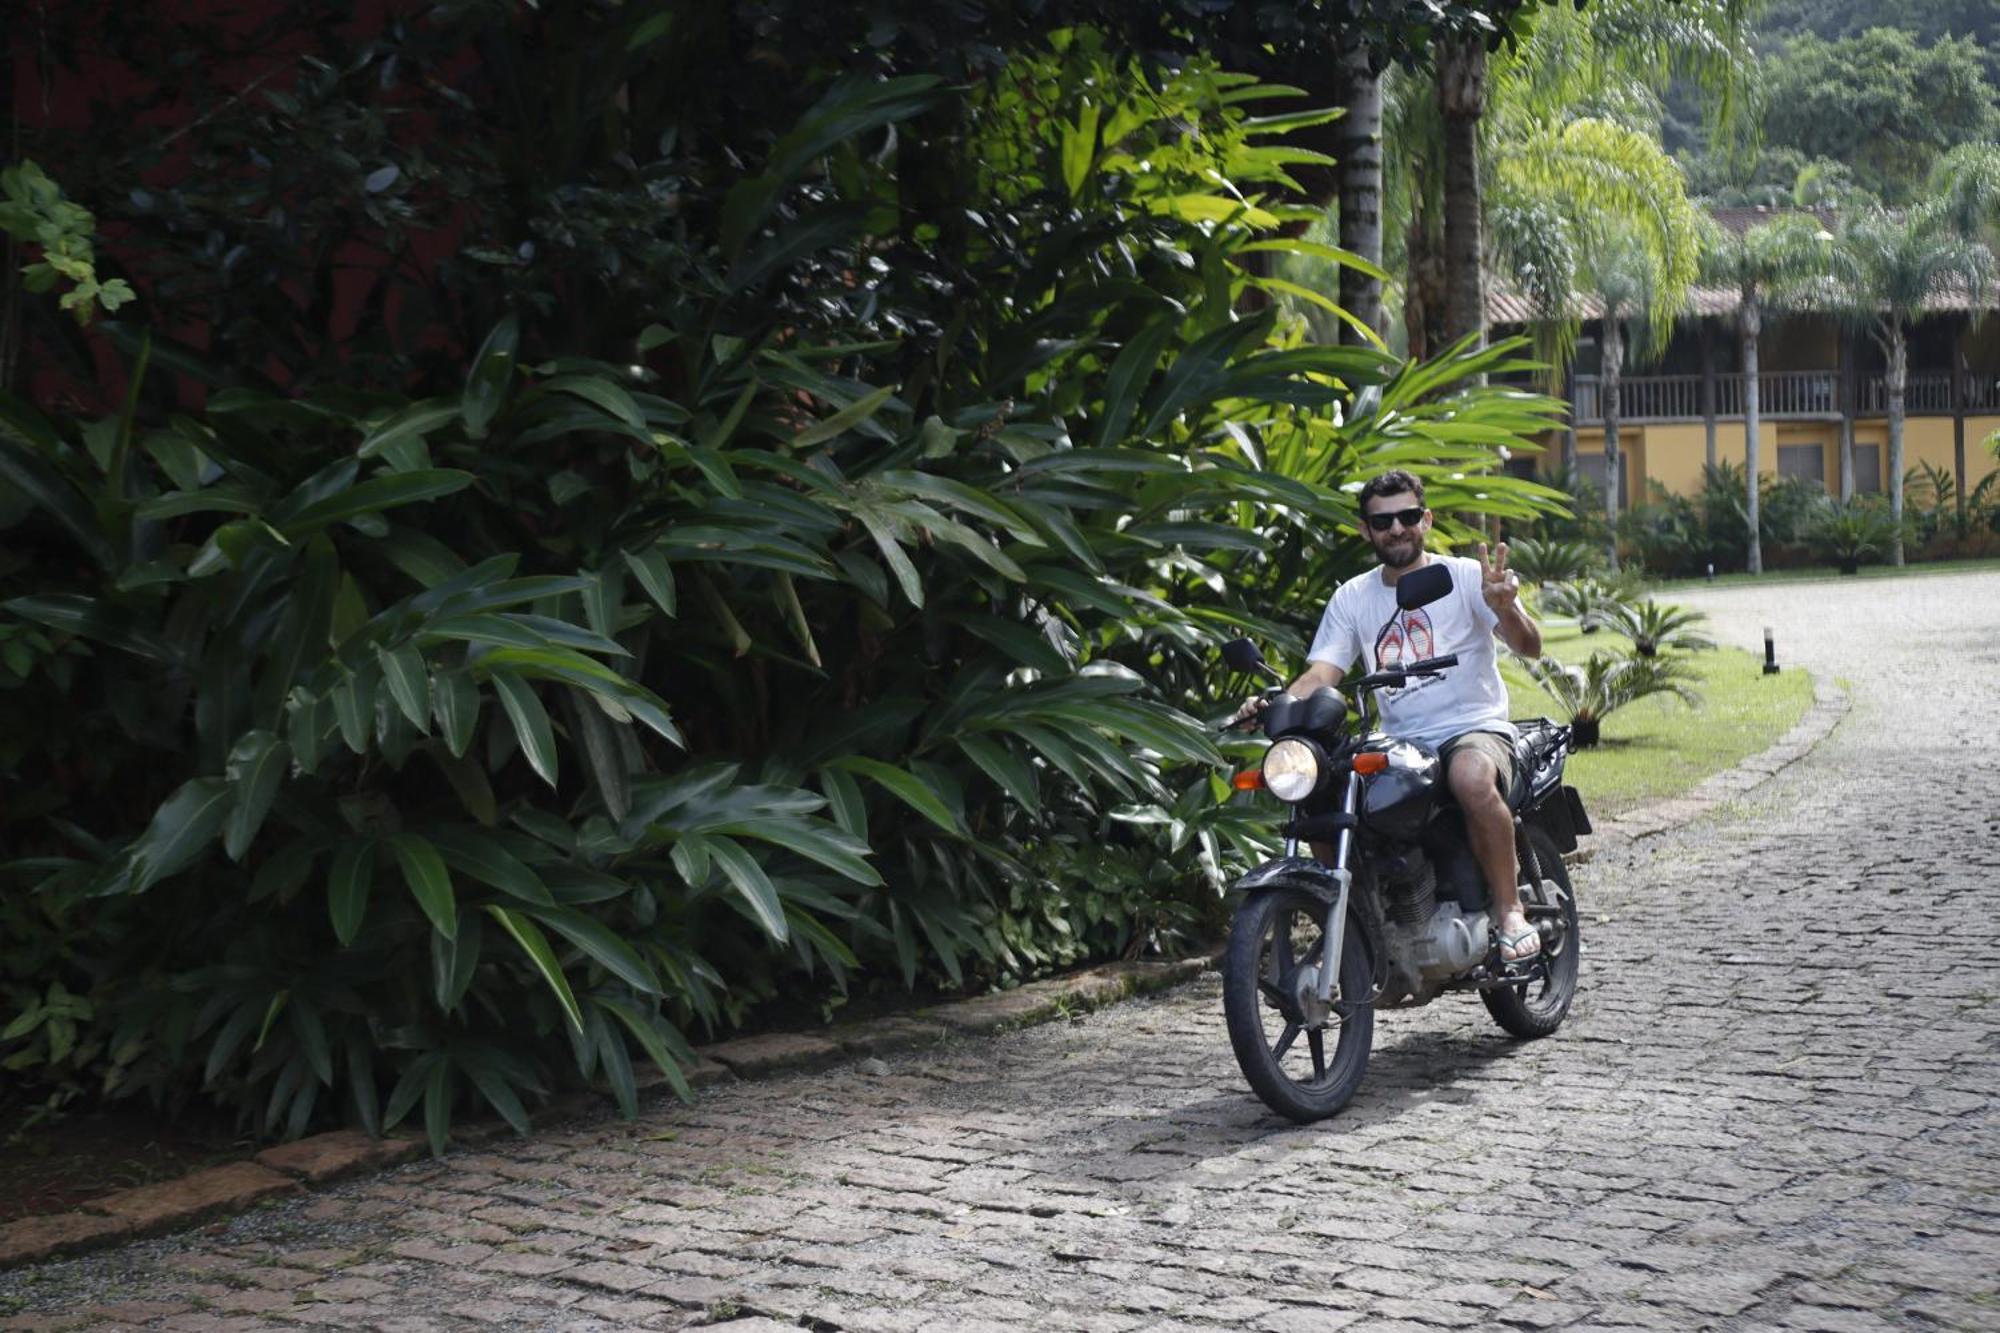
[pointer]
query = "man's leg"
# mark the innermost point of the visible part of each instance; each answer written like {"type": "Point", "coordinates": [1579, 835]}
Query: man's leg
{"type": "Point", "coordinates": [1489, 825]}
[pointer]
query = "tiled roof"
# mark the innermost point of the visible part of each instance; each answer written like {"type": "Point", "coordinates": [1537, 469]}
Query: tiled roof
{"type": "Point", "coordinates": [1507, 306]}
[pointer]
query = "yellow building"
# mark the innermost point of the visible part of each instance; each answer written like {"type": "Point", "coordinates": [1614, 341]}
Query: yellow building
{"type": "Point", "coordinates": [1818, 383]}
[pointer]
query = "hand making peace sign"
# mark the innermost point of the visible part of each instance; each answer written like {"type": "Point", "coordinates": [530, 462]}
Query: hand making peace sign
{"type": "Point", "coordinates": [1498, 584]}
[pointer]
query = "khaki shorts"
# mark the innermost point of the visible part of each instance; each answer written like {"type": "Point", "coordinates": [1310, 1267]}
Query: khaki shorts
{"type": "Point", "coordinates": [1492, 744]}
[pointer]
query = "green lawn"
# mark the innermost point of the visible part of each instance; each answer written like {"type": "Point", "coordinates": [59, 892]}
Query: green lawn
{"type": "Point", "coordinates": [1818, 574]}
{"type": "Point", "coordinates": [1659, 748]}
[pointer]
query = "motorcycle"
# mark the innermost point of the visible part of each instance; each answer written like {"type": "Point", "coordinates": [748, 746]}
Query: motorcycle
{"type": "Point", "coordinates": [1398, 913]}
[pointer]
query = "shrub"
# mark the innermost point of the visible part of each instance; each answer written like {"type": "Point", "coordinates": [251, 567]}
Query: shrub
{"type": "Point", "coordinates": [1549, 560]}
{"type": "Point", "coordinates": [1653, 627]}
{"type": "Point", "coordinates": [1607, 682]}
{"type": "Point", "coordinates": [1591, 602]}
{"type": "Point", "coordinates": [1850, 533]}
{"type": "Point", "coordinates": [391, 752]}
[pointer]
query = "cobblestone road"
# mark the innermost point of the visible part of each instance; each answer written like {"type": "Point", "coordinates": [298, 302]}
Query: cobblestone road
{"type": "Point", "coordinates": [1774, 1107]}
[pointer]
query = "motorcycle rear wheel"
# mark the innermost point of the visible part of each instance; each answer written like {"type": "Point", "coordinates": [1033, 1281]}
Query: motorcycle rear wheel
{"type": "Point", "coordinates": [1542, 1012]}
{"type": "Point", "coordinates": [1275, 934]}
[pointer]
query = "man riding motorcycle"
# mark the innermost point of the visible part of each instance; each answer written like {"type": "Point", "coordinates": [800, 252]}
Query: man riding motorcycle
{"type": "Point", "coordinates": [1463, 715]}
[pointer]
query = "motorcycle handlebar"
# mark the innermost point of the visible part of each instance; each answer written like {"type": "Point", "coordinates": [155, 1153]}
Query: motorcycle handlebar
{"type": "Point", "coordinates": [1429, 666]}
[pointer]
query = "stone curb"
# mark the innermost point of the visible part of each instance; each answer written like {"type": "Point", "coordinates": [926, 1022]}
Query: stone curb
{"type": "Point", "coordinates": [1830, 704]}
{"type": "Point", "coordinates": [294, 1168]}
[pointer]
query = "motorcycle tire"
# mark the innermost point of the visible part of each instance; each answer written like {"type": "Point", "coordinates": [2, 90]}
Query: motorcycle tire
{"type": "Point", "coordinates": [1249, 1002]}
{"type": "Point", "coordinates": [1512, 1007]}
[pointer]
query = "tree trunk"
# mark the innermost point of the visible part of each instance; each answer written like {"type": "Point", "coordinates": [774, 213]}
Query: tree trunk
{"type": "Point", "coordinates": [1899, 353]}
{"type": "Point", "coordinates": [1708, 388]}
{"type": "Point", "coordinates": [1360, 154]}
{"type": "Point", "coordinates": [1461, 95]}
{"type": "Point", "coordinates": [1614, 353]}
{"type": "Point", "coordinates": [1753, 324]}
{"type": "Point", "coordinates": [1847, 408]}
{"type": "Point", "coordinates": [1569, 424]}
{"type": "Point", "coordinates": [1958, 369]}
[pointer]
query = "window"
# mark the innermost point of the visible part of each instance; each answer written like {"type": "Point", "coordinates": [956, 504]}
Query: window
{"type": "Point", "coordinates": [1867, 469]}
{"type": "Point", "coordinates": [1592, 466]}
{"type": "Point", "coordinates": [1802, 460]}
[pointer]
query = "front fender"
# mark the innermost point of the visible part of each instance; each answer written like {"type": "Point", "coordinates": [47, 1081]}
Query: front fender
{"type": "Point", "coordinates": [1298, 872]}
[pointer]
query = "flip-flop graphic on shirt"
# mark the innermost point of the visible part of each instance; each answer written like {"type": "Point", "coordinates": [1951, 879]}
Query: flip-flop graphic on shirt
{"type": "Point", "coordinates": [1409, 637]}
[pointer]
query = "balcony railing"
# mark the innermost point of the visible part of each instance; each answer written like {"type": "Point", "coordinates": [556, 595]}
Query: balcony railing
{"type": "Point", "coordinates": [1781, 393]}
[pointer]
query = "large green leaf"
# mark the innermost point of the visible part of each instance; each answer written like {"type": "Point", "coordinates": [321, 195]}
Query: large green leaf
{"type": "Point", "coordinates": [531, 722]}
{"type": "Point", "coordinates": [411, 423]}
{"type": "Point", "coordinates": [428, 879]}
{"type": "Point", "coordinates": [409, 685]}
{"type": "Point", "coordinates": [180, 831]}
{"type": "Point", "coordinates": [485, 857]}
{"type": "Point", "coordinates": [256, 766]}
{"type": "Point", "coordinates": [536, 945]}
{"type": "Point", "coordinates": [908, 789]}
{"type": "Point", "coordinates": [491, 376]}
{"type": "Point", "coordinates": [455, 701]}
{"type": "Point", "coordinates": [373, 497]}
{"type": "Point", "coordinates": [347, 885]}
{"type": "Point", "coordinates": [747, 877]}
{"type": "Point", "coordinates": [96, 620]}
{"type": "Point", "coordinates": [38, 479]}
{"type": "Point", "coordinates": [602, 946]}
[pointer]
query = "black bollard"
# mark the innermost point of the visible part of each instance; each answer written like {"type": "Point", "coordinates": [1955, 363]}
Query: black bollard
{"type": "Point", "coordinates": [1770, 654]}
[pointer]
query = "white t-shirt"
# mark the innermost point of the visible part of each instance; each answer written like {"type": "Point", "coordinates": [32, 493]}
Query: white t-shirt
{"type": "Point", "coordinates": [1362, 621]}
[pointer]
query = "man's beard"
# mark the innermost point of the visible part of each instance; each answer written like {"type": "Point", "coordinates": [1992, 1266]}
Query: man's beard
{"type": "Point", "coordinates": [1401, 556]}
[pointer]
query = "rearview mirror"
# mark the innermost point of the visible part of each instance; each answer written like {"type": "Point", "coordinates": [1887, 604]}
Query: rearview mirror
{"type": "Point", "coordinates": [1242, 655]}
{"type": "Point", "coordinates": [1421, 587]}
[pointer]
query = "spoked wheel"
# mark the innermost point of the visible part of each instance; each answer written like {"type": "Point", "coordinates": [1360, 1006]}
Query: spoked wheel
{"type": "Point", "coordinates": [1537, 1008]}
{"type": "Point", "coordinates": [1303, 1057]}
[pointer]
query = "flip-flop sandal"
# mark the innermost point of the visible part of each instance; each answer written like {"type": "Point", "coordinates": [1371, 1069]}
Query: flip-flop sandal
{"type": "Point", "coordinates": [1510, 943]}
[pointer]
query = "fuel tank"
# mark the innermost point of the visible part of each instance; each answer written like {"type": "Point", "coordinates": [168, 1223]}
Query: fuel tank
{"type": "Point", "coordinates": [1398, 802]}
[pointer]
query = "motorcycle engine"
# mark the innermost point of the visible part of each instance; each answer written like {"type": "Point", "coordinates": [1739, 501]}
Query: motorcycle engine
{"type": "Point", "coordinates": [1430, 942]}
{"type": "Point", "coordinates": [1409, 882]}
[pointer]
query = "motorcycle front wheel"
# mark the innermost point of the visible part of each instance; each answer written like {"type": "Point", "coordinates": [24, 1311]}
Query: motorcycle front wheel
{"type": "Point", "coordinates": [1304, 1063]}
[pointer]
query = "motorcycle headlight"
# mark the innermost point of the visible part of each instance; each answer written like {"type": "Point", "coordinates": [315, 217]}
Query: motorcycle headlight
{"type": "Point", "coordinates": [1291, 770]}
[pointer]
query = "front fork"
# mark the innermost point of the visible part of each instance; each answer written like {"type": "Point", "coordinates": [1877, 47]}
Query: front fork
{"type": "Point", "coordinates": [1336, 917]}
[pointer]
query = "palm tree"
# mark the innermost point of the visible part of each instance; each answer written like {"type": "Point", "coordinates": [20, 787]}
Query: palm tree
{"type": "Point", "coordinates": [1624, 280]}
{"type": "Point", "coordinates": [1888, 266]}
{"type": "Point", "coordinates": [1461, 101]}
{"type": "Point", "coordinates": [1606, 66]}
{"type": "Point", "coordinates": [1359, 138]}
{"type": "Point", "coordinates": [1773, 265]}
{"type": "Point", "coordinates": [1966, 182]}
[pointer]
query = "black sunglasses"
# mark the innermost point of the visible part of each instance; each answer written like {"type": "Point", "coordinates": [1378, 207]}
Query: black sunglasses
{"type": "Point", "coordinates": [1408, 517]}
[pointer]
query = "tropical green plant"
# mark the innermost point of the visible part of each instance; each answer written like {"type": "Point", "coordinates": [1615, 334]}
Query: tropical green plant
{"type": "Point", "coordinates": [389, 752]}
{"type": "Point", "coordinates": [1655, 627]}
{"type": "Point", "coordinates": [1889, 266]}
{"type": "Point", "coordinates": [1606, 682]}
{"type": "Point", "coordinates": [1540, 560]}
{"type": "Point", "coordinates": [1540, 144]}
{"type": "Point", "coordinates": [1591, 602]}
{"type": "Point", "coordinates": [1769, 266]}
{"type": "Point", "coordinates": [1849, 532]}
{"type": "Point", "coordinates": [1930, 497]}
{"type": "Point", "coordinates": [33, 211]}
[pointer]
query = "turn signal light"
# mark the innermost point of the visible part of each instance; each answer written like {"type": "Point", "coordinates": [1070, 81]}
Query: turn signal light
{"type": "Point", "coordinates": [1373, 762]}
{"type": "Point", "coordinates": [1250, 779]}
